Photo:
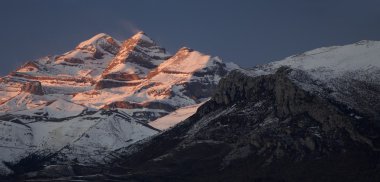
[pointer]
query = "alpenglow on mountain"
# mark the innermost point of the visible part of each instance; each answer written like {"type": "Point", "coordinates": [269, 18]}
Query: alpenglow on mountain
{"type": "Point", "coordinates": [309, 117]}
{"type": "Point", "coordinates": [111, 111]}
{"type": "Point", "coordinates": [99, 97]}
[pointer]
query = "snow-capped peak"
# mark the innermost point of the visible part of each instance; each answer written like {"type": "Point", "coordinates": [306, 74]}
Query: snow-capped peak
{"type": "Point", "coordinates": [93, 40]}
{"type": "Point", "coordinates": [331, 61]}
{"type": "Point", "coordinates": [100, 42]}
{"type": "Point", "coordinates": [188, 60]}
{"type": "Point", "coordinates": [136, 57]}
{"type": "Point", "coordinates": [363, 54]}
{"type": "Point", "coordinates": [142, 36]}
{"type": "Point", "coordinates": [186, 49]}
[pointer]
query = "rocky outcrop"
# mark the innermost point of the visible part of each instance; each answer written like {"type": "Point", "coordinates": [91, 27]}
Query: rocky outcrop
{"type": "Point", "coordinates": [122, 77]}
{"type": "Point", "coordinates": [103, 84]}
{"type": "Point", "coordinates": [33, 87]}
{"type": "Point", "coordinates": [51, 78]}
{"type": "Point", "coordinates": [144, 114]}
{"type": "Point", "coordinates": [148, 105]}
{"type": "Point", "coordinates": [74, 60]}
{"type": "Point", "coordinates": [31, 66]}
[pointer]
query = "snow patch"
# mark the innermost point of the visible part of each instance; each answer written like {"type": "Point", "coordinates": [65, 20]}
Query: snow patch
{"type": "Point", "coordinates": [175, 117]}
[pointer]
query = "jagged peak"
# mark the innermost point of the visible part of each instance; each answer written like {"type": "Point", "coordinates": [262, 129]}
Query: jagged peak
{"type": "Point", "coordinates": [142, 36]}
{"type": "Point", "coordinates": [140, 32]}
{"type": "Point", "coordinates": [185, 49]}
{"type": "Point", "coordinates": [94, 41]}
{"type": "Point", "coordinates": [190, 60]}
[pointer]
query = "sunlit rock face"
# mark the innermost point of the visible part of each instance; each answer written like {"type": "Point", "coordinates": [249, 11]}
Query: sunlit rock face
{"type": "Point", "coordinates": [137, 56]}
{"type": "Point", "coordinates": [97, 98]}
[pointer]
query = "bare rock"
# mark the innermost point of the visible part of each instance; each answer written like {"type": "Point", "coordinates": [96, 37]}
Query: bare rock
{"type": "Point", "coordinates": [33, 87]}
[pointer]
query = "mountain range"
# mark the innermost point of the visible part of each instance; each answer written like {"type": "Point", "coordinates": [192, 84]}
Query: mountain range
{"type": "Point", "coordinates": [132, 112]}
